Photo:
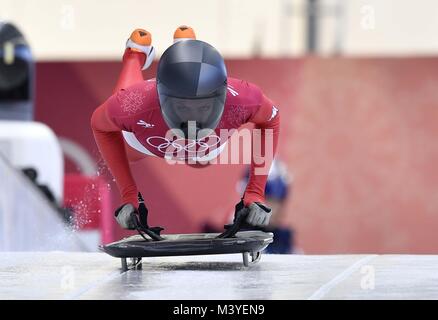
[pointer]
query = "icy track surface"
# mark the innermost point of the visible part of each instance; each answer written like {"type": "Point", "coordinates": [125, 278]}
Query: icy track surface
{"type": "Point", "coordinates": [63, 275]}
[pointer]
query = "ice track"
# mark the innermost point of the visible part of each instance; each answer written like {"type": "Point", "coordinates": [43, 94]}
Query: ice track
{"type": "Point", "coordinates": [66, 275]}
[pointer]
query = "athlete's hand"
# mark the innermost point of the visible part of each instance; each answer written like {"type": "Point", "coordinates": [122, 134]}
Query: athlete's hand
{"type": "Point", "coordinates": [126, 216]}
{"type": "Point", "coordinates": [259, 214]}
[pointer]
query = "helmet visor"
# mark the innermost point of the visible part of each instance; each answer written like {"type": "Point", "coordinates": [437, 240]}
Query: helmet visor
{"type": "Point", "coordinates": [206, 112]}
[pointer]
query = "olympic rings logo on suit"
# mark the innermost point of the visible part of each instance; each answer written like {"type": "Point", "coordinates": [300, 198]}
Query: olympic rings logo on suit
{"type": "Point", "coordinates": [162, 144]}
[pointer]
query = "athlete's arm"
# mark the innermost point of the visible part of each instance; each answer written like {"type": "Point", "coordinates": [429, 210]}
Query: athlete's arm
{"type": "Point", "coordinates": [267, 119]}
{"type": "Point", "coordinates": [110, 142]}
{"type": "Point", "coordinates": [108, 135]}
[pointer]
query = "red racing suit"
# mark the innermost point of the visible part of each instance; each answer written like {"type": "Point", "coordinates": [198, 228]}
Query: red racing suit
{"type": "Point", "coordinates": [129, 126]}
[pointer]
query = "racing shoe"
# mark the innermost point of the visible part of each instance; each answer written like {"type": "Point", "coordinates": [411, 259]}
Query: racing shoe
{"type": "Point", "coordinates": [184, 33]}
{"type": "Point", "coordinates": [141, 41]}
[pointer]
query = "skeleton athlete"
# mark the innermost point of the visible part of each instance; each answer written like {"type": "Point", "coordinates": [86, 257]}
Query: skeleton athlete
{"type": "Point", "coordinates": [193, 98]}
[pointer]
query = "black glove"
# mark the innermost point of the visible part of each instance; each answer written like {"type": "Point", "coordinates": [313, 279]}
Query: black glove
{"type": "Point", "coordinates": [131, 218]}
{"type": "Point", "coordinates": [259, 214]}
{"type": "Point", "coordinates": [254, 215]}
{"type": "Point", "coordinates": [126, 216]}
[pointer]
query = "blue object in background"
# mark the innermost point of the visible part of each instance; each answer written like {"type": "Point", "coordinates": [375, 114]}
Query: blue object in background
{"type": "Point", "coordinates": [283, 241]}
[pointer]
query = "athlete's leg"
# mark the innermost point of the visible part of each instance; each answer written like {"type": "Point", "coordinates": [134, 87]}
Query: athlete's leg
{"type": "Point", "coordinates": [139, 54]}
{"type": "Point", "coordinates": [135, 58]}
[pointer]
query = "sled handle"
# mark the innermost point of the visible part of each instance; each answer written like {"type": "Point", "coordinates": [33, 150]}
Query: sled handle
{"type": "Point", "coordinates": [150, 233]}
{"type": "Point", "coordinates": [142, 224]}
{"type": "Point", "coordinates": [237, 224]}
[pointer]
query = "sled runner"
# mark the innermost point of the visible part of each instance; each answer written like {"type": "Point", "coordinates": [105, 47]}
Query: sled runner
{"type": "Point", "coordinates": [150, 243]}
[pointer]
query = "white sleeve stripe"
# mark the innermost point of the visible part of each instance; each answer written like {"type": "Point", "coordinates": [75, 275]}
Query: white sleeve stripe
{"type": "Point", "coordinates": [274, 113]}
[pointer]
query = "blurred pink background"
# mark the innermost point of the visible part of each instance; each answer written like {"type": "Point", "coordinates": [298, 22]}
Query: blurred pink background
{"type": "Point", "coordinates": [358, 135]}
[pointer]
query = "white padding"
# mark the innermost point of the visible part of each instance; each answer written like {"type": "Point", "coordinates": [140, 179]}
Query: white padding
{"type": "Point", "coordinates": [175, 40]}
{"type": "Point", "coordinates": [33, 144]}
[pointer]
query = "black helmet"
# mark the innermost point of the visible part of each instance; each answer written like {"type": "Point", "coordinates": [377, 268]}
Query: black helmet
{"type": "Point", "coordinates": [192, 86]}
